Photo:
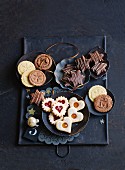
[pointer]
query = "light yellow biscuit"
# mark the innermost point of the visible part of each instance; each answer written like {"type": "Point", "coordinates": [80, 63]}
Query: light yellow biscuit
{"type": "Point", "coordinates": [64, 125]}
{"type": "Point", "coordinates": [25, 66]}
{"type": "Point", "coordinates": [95, 91]}
{"type": "Point", "coordinates": [25, 79]}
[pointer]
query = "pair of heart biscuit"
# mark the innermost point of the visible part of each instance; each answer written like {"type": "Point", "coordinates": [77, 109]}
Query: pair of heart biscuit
{"type": "Point", "coordinates": [73, 115]}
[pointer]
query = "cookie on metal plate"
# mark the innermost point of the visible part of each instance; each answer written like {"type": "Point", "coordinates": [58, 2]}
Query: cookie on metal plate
{"type": "Point", "coordinates": [95, 91]}
{"type": "Point", "coordinates": [103, 103]}
{"type": "Point", "coordinates": [37, 78]}
{"type": "Point", "coordinates": [25, 66]}
{"type": "Point", "coordinates": [25, 79]}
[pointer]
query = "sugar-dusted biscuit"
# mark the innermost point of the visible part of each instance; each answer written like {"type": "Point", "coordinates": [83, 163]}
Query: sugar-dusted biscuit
{"type": "Point", "coordinates": [65, 125]}
{"type": "Point", "coordinates": [74, 115]}
{"type": "Point", "coordinates": [25, 66]}
{"type": "Point", "coordinates": [47, 104]}
{"type": "Point", "coordinates": [53, 119]}
{"type": "Point", "coordinates": [103, 103]}
{"type": "Point", "coordinates": [25, 79]}
{"type": "Point", "coordinates": [63, 100]}
{"type": "Point", "coordinates": [37, 78]}
{"type": "Point", "coordinates": [78, 104]}
{"type": "Point", "coordinates": [59, 109]}
{"type": "Point", "coordinates": [95, 91]}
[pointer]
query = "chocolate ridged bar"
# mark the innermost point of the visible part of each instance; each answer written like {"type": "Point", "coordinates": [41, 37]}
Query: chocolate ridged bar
{"type": "Point", "coordinates": [99, 68]}
{"type": "Point", "coordinates": [68, 68]}
{"type": "Point", "coordinates": [82, 63]}
{"type": "Point", "coordinates": [96, 57]}
{"type": "Point", "coordinates": [76, 78]}
{"type": "Point", "coordinates": [37, 97]}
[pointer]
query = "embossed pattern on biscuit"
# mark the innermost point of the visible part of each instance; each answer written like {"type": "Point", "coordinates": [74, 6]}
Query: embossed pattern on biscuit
{"type": "Point", "coordinates": [37, 78]}
{"type": "Point", "coordinates": [43, 62]}
{"type": "Point", "coordinates": [103, 103]}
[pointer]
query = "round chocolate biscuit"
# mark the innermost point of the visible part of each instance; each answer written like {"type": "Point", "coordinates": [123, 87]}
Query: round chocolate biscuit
{"type": "Point", "coordinates": [103, 103]}
{"type": "Point", "coordinates": [43, 62]}
{"type": "Point", "coordinates": [37, 78]}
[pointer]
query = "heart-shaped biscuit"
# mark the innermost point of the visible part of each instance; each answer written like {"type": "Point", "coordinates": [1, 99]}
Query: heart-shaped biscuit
{"type": "Point", "coordinates": [78, 104]}
{"type": "Point", "coordinates": [47, 104]}
{"type": "Point", "coordinates": [63, 100]}
{"type": "Point", "coordinates": [74, 115]}
{"type": "Point", "coordinates": [58, 109]}
{"type": "Point", "coordinates": [53, 119]}
{"type": "Point", "coordinates": [64, 125]}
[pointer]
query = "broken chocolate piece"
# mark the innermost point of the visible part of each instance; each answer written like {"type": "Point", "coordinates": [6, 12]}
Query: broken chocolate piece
{"type": "Point", "coordinates": [37, 97]}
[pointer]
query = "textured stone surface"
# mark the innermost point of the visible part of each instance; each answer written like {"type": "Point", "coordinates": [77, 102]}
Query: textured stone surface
{"type": "Point", "coordinates": [19, 18]}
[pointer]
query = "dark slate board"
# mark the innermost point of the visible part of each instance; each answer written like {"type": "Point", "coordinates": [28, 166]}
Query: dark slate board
{"type": "Point", "coordinates": [95, 132]}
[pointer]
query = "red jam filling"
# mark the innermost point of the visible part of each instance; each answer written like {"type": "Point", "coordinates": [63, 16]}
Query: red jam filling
{"type": "Point", "coordinates": [62, 101]}
{"type": "Point", "coordinates": [56, 117]}
{"type": "Point", "coordinates": [58, 108]}
{"type": "Point", "coordinates": [48, 104]}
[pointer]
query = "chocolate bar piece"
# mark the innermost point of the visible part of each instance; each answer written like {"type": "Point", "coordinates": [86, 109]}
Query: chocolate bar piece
{"type": "Point", "coordinates": [68, 68]}
{"type": "Point", "coordinates": [82, 63]}
{"type": "Point", "coordinates": [99, 68]}
{"type": "Point", "coordinates": [96, 57]}
{"type": "Point", "coordinates": [37, 97]}
{"type": "Point", "coordinates": [76, 78]}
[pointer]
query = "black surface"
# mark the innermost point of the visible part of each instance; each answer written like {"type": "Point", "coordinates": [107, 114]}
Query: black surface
{"type": "Point", "coordinates": [68, 17]}
{"type": "Point", "coordinates": [95, 132]}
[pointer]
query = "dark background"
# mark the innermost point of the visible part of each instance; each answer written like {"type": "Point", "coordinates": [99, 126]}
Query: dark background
{"type": "Point", "coordinates": [19, 18]}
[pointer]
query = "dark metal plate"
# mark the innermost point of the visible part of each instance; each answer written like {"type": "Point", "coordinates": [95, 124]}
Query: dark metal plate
{"type": "Point", "coordinates": [59, 74]}
{"type": "Point", "coordinates": [90, 104]}
{"type": "Point", "coordinates": [31, 57]}
{"type": "Point", "coordinates": [77, 127]}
